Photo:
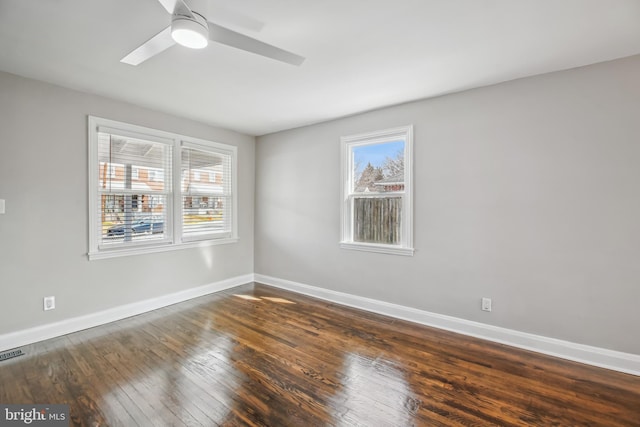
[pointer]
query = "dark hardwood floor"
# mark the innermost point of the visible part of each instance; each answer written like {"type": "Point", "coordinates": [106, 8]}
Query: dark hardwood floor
{"type": "Point", "coordinates": [256, 356]}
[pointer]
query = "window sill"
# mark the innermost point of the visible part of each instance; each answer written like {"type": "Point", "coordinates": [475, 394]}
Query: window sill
{"type": "Point", "coordinates": [121, 252]}
{"type": "Point", "coordinates": [381, 249]}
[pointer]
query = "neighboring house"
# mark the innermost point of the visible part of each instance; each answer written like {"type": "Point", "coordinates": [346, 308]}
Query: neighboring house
{"type": "Point", "coordinates": [147, 180]}
{"type": "Point", "coordinates": [392, 183]}
{"type": "Point", "coordinates": [202, 186]}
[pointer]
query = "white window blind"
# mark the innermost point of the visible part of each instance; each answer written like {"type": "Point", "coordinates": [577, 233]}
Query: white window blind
{"type": "Point", "coordinates": [207, 206]}
{"type": "Point", "coordinates": [133, 209]}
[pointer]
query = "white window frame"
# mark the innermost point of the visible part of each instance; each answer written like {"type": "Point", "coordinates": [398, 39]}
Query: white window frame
{"type": "Point", "coordinates": [405, 247]}
{"type": "Point", "coordinates": [173, 239]}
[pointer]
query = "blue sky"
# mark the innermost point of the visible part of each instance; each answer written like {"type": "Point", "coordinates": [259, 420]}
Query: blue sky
{"type": "Point", "coordinates": [376, 153]}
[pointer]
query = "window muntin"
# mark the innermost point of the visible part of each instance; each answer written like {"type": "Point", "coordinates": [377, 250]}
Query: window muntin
{"type": "Point", "coordinates": [139, 202]}
{"type": "Point", "coordinates": [377, 191]}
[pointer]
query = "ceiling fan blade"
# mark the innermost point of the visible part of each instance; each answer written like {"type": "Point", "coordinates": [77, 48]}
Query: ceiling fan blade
{"type": "Point", "coordinates": [240, 41]}
{"type": "Point", "coordinates": [150, 48]}
{"type": "Point", "coordinates": [176, 7]}
{"type": "Point", "coordinates": [169, 5]}
{"type": "Point", "coordinates": [232, 17]}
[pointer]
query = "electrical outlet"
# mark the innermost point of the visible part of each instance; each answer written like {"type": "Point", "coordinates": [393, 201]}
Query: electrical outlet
{"type": "Point", "coordinates": [486, 304]}
{"type": "Point", "coordinates": [49, 303]}
{"type": "Point", "coordinates": [1, 206]}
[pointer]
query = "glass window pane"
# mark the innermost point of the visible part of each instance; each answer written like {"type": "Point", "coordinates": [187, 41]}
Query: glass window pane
{"type": "Point", "coordinates": [378, 167]}
{"type": "Point", "coordinates": [135, 164]}
{"type": "Point", "coordinates": [204, 215]}
{"type": "Point", "coordinates": [377, 220]}
{"type": "Point", "coordinates": [206, 203]}
{"type": "Point", "coordinates": [132, 217]}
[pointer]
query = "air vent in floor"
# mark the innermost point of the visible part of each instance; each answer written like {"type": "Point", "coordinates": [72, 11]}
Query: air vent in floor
{"type": "Point", "coordinates": [10, 354]}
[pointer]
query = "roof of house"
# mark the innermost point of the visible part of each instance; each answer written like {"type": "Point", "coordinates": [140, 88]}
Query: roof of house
{"type": "Point", "coordinates": [392, 180]}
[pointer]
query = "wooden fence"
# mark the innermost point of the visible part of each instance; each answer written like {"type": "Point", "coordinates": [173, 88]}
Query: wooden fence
{"type": "Point", "coordinates": [377, 220]}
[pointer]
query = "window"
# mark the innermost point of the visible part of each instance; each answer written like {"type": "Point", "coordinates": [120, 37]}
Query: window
{"type": "Point", "coordinates": [155, 174]}
{"type": "Point", "coordinates": [142, 198]}
{"type": "Point", "coordinates": [377, 191]}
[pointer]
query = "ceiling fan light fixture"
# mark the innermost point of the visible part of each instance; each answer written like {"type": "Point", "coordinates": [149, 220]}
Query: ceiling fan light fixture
{"type": "Point", "coordinates": [190, 32]}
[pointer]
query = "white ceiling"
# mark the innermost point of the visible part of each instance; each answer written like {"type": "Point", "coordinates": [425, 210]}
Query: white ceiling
{"type": "Point", "coordinates": [361, 54]}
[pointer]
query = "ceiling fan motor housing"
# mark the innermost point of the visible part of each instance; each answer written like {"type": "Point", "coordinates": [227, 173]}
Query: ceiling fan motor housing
{"type": "Point", "coordinates": [190, 31]}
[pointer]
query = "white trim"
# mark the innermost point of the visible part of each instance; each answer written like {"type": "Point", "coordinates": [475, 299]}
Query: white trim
{"type": "Point", "coordinates": [75, 324]}
{"type": "Point", "coordinates": [176, 218]}
{"type": "Point", "coordinates": [133, 131]}
{"type": "Point", "coordinates": [380, 249]}
{"type": "Point", "coordinates": [167, 246]}
{"type": "Point", "coordinates": [595, 356]}
{"type": "Point", "coordinates": [206, 146]}
{"type": "Point", "coordinates": [378, 136]}
{"type": "Point", "coordinates": [92, 127]}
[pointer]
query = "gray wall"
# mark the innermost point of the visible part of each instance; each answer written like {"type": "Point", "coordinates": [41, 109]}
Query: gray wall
{"type": "Point", "coordinates": [527, 192]}
{"type": "Point", "coordinates": [44, 234]}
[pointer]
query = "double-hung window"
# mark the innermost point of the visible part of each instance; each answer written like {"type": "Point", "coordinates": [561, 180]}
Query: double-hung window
{"type": "Point", "coordinates": [142, 195]}
{"type": "Point", "coordinates": [377, 191]}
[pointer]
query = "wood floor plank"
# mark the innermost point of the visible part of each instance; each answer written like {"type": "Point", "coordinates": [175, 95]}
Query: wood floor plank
{"type": "Point", "coordinates": [260, 356]}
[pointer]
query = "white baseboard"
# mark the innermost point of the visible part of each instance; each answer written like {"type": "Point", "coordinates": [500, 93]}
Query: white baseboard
{"type": "Point", "coordinates": [596, 356]}
{"type": "Point", "coordinates": [52, 330]}
{"type": "Point", "coordinates": [609, 359]}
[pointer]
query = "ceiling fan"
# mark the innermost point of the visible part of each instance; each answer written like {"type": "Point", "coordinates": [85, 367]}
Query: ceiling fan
{"type": "Point", "coordinates": [190, 28]}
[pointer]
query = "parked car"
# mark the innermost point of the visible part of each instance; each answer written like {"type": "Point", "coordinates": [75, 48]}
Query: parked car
{"type": "Point", "coordinates": [144, 225]}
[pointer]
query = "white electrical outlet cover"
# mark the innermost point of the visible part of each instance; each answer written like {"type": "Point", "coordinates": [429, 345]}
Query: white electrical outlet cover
{"type": "Point", "coordinates": [1, 206]}
{"type": "Point", "coordinates": [49, 303]}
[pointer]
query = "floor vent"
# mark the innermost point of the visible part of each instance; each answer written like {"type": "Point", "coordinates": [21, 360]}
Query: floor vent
{"type": "Point", "coordinates": [10, 354]}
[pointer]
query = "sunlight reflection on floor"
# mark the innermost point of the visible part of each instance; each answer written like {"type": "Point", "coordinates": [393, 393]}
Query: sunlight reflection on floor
{"type": "Point", "coordinates": [272, 299]}
{"type": "Point", "coordinates": [376, 390]}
